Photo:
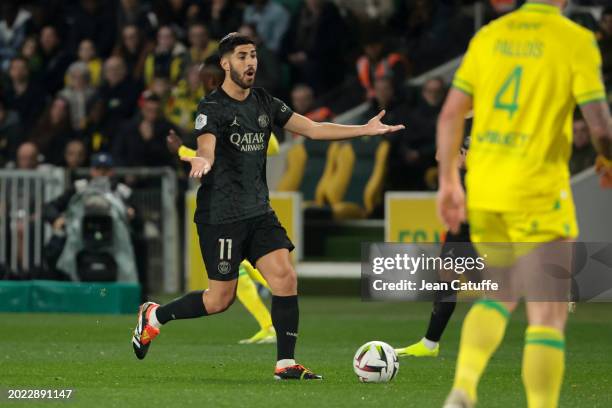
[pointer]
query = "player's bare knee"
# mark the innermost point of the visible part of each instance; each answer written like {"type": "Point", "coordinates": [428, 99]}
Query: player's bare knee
{"type": "Point", "coordinates": [218, 302]}
{"type": "Point", "coordinates": [283, 281]}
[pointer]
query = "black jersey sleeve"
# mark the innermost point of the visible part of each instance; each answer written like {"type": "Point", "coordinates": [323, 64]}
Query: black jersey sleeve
{"type": "Point", "coordinates": [280, 112]}
{"type": "Point", "coordinates": [208, 119]}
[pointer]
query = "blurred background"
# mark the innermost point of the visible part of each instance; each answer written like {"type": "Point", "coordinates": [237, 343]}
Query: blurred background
{"type": "Point", "coordinates": [89, 89]}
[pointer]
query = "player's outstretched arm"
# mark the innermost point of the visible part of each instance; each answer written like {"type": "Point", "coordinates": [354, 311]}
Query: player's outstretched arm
{"type": "Point", "coordinates": [205, 157]}
{"type": "Point", "coordinates": [332, 131]}
{"type": "Point", "coordinates": [451, 198]}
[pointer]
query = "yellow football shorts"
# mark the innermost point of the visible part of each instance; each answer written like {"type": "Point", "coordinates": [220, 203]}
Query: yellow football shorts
{"type": "Point", "coordinates": [505, 236]}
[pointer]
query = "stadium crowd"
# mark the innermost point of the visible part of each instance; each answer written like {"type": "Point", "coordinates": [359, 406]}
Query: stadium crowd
{"type": "Point", "coordinates": [85, 76]}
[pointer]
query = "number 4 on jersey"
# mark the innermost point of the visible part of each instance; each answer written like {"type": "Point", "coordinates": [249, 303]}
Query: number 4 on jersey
{"type": "Point", "coordinates": [507, 97]}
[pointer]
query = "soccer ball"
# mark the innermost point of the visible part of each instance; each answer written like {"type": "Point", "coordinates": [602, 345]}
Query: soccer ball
{"type": "Point", "coordinates": [375, 362]}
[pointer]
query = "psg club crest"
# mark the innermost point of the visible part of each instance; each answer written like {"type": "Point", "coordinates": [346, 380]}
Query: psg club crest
{"type": "Point", "coordinates": [224, 267]}
{"type": "Point", "coordinates": [263, 120]}
{"type": "Point", "coordinates": [201, 121]}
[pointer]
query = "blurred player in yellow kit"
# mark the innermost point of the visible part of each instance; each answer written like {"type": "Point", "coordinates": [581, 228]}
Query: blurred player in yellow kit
{"type": "Point", "coordinates": [522, 75]}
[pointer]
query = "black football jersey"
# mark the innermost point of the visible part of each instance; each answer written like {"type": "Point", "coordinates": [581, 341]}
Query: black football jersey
{"type": "Point", "coordinates": [235, 189]}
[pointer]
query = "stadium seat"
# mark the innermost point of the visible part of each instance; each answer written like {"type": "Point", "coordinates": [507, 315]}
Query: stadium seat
{"type": "Point", "coordinates": [310, 167]}
{"type": "Point", "coordinates": [294, 172]}
{"type": "Point", "coordinates": [431, 178]}
{"type": "Point", "coordinates": [364, 189]}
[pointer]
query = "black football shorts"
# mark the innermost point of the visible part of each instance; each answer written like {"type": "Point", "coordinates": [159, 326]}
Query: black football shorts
{"type": "Point", "coordinates": [225, 246]}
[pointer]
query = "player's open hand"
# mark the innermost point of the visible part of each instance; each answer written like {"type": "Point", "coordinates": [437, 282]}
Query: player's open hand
{"type": "Point", "coordinates": [451, 205]}
{"type": "Point", "coordinates": [376, 127]}
{"type": "Point", "coordinates": [199, 166]}
{"type": "Point", "coordinates": [603, 167]}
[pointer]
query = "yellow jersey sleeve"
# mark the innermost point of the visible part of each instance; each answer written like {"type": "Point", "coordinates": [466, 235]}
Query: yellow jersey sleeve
{"type": "Point", "coordinates": [465, 77]}
{"type": "Point", "coordinates": [587, 85]}
{"type": "Point", "coordinates": [273, 148]}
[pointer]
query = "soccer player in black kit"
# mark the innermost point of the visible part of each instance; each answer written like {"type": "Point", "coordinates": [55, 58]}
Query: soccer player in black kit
{"type": "Point", "coordinates": [455, 245]}
{"type": "Point", "coordinates": [233, 214]}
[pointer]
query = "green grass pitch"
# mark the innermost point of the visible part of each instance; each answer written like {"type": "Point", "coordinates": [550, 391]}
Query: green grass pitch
{"type": "Point", "coordinates": [199, 363]}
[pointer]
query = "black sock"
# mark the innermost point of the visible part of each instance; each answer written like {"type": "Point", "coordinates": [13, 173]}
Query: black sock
{"type": "Point", "coordinates": [285, 318]}
{"type": "Point", "coordinates": [186, 307]}
{"type": "Point", "coordinates": [443, 309]}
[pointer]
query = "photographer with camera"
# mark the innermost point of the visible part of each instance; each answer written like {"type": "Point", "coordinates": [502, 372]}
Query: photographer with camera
{"type": "Point", "coordinates": [92, 228]}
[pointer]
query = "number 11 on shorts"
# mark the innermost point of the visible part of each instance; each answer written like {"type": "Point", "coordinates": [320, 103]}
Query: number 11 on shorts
{"type": "Point", "coordinates": [222, 244]}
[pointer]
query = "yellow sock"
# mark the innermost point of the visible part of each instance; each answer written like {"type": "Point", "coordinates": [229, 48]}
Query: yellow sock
{"type": "Point", "coordinates": [248, 296]}
{"type": "Point", "coordinates": [254, 273]}
{"type": "Point", "coordinates": [482, 332]}
{"type": "Point", "coordinates": [543, 366]}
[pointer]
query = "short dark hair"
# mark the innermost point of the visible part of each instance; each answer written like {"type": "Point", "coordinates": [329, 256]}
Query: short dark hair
{"type": "Point", "coordinates": [607, 11]}
{"type": "Point", "coordinates": [229, 43]}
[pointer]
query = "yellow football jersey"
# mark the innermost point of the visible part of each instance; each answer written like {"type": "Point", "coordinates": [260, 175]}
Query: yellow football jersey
{"type": "Point", "coordinates": [526, 71]}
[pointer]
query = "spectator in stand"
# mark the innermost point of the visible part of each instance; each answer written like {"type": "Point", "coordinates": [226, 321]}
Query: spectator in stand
{"type": "Point", "coordinates": [177, 14]}
{"type": "Point", "coordinates": [185, 99]}
{"type": "Point", "coordinates": [167, 59]}
{"type": "Point", "coordinates": [376, 63]}
{"type": "Point", "coordinates": [413, 150]}
{"type": "Point", "coordinates": [386, 97]}
{"type": "Point", "coordinates": [55, 60]}
{"type": "Point", "coordinates": [271, 20]}
{"type": "Point", "coordinates": [162, 88]}
{"type": "Point", "coordinates": [10, 134]}
{"type": "Point", "coordinates": [211, 74]}
{"type": "Point", "coordinates": [302, 101]}
{"type": "Point", "coordinates": [52, 131]}
{"type": "Point", "coordinates": [135, 13]}
{"type": "Point", "coordinates": [379, 10]}
{"type": "Point", "coordinates": [22, 94]}
{"type": "Point", "coordinates": [30, 50]}
{"type": "Point", "coordinates": [27, 157]}
{"type": "Point", "coordinates": [75, 155]}
{"type": "Point", "coordinates": [79, 93]}
{"type": "Point", "coordinates": [93, 19]}
{"type": "Point", "coordinates": [133, 49]}
{"type": "Point", "coordinates": [222, 17]}
{"type": "Point", "coordinates": [21, 193]}
{"type": "Point", "coordinates": [114, 103]}
{"type": "Point", "coordinates": [269, 71]}
{"type": "Point", "coordinates": [583, 153]}
{"type": "Point", "coordinates": [315, 45]}
{"type": "Point", "coordinates": [143, 139]}
{"type": "Point", "coordinates": [413, 18]}
{"type": "Point", "coordinates": [432, 30]}
{"type": "Point", "coordinates": [201, 45]}
{"type": "Point", "coordinates": [15, 25]}
{"type": "Point", "coordinates": [87, 54]}
{"type": "Point", "coordinates": [604, 37]}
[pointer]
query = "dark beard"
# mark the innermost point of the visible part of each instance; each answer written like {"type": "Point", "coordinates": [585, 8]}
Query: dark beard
{"type": "Point", "coordinates": [235, 76]}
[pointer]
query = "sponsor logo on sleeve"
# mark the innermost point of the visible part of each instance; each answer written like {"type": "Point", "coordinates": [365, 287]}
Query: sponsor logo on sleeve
{"type": "Point", "coordinates": [201, 121]}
